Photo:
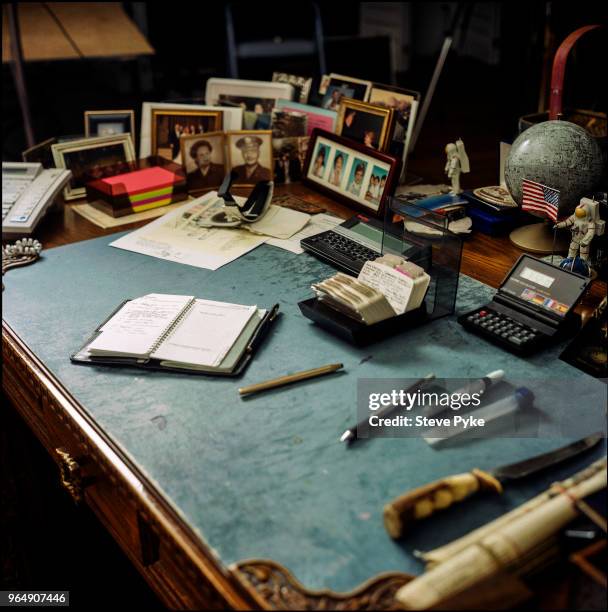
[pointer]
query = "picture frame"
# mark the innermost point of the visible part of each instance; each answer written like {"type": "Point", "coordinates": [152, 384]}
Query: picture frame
{"type": "Point", "coordinates": [363, 179]}
{"type": "Point", "coordinates": [245, 152]}
{"type": "Point", "coordinates": [40, 153]}
{"type": "Point", "coordinates": [316, 117]}
{"type": "Point", "coordinates": [405, 104]}
{"type": "Point", "coordinates": [168, 125]}
{"type": "Point", "coordinates": [247, 92]}
{"type": "Point", "coordinates": [334, 87]}
{"type": "Point", "coordinates": [288, 123]}
{"type": "Point", "coordinates": [301, 85]}
{"type": "Point", "coordinates": [109, 123]}
{"type": "Point", "coordinates": [289, 157]}
{"type": "Point", "coordinates": [82, 156]}
{"type": "Point", "coordinates": [198, 151]}
{"type": "Point", "coordinates": [368, 124]}
{"type": "Point", "coordinates": [232, 119]}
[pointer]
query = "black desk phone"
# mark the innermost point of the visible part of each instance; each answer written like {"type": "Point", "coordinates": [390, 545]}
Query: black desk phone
{"type": "Point", "coordinates": [532, 307]}
{"type": "Point", "coordinates": [349, 245]}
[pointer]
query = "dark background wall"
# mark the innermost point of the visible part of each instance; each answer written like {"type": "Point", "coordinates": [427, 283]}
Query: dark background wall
{"type": "Point", "coordinates": [492, 76]}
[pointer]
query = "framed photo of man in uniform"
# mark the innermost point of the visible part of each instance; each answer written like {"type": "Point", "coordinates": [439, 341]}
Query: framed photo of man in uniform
{"type": "Point", "coordinates": [250, 155]}
{"type": "Point", "coordinates": [204, 158]}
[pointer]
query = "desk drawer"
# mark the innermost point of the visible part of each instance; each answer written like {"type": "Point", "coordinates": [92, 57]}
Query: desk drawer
{"type": "Point", "coordinates": [25, 394]}
{"type": "Point", "coordinates": [89, 479]}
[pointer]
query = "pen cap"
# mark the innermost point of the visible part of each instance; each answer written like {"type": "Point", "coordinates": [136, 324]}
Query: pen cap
{"type": "Point", "coordinates": [524, 397]}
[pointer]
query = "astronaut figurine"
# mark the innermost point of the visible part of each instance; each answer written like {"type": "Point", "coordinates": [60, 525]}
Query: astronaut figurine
{"type": "Point", "coordinates": [457, 162]}
{"type": "Point", "coordinates": [584, 224]}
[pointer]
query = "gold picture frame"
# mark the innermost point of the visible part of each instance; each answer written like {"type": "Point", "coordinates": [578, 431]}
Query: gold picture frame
{"type": "Point", "coordinates": [79, 157]}
{"type": "Point", "coordinates": [126, 117]}
{"type": "Point", "coordinates": [366, 118]}
{"type": "Point", "coordinates": [215, 124]}
{"type": "Point", "coordinates": [265, 170]}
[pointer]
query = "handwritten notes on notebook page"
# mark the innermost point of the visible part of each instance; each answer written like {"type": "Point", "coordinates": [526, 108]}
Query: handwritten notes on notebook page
{"type": "Point", "coordinates": [138, 325]}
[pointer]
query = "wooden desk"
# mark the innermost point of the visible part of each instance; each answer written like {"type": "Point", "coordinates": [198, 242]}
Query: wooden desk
{"type": "Point", "coordinates": [177, 564]}
{"type": "Point", "coordinates": [484, 258]}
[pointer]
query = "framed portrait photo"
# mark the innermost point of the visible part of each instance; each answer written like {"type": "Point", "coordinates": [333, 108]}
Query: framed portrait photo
{"type": "Point", "coordinates": [404, 103]}
{"type": "Point", "coordinates": [334, 87]}
{"type": "Point", "coordinates": [109, 123]}
{"type": "Point", "coordinates": [358, 176]}
{"type": "Point", "coordinates": [289, 157]}
{"type": "Point", "coordinates": [250, 155]}
{"type": "Point", "coordinates": [99, 157]}
{"type": "Point", "coordinates": [204, 159]}
{"type": "Point", "coordinates": [168, 126]}
{"type": "Point", "coordinates": [368, 124]}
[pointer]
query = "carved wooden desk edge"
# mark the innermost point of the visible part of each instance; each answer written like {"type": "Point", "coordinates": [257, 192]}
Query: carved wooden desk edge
{"type": "Point", "coordinates": [221, 588]}
{"type": "Point", "coordinates": [275, 587]}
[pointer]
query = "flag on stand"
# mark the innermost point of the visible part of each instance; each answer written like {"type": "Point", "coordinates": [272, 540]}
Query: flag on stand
{"type": "Point", "coordinates": [540, 198]}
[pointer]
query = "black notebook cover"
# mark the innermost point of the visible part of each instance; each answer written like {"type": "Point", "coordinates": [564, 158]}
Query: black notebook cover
{"type": "Point", "coordinates": [154, 364]}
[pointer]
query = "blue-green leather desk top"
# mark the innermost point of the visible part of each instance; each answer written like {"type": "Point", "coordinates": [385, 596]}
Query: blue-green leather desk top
{"type": "Point", "coordinates": [267, 477]}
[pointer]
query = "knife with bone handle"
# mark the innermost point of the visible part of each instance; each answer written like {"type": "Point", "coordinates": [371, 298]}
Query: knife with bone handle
{"type": "Point", "coordinates": [424, 501]}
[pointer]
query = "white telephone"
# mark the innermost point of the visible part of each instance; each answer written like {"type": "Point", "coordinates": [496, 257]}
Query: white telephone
{"type": "Point", "coordinates": [27, 192]}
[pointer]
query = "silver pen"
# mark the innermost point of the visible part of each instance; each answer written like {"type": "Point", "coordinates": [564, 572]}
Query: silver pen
{"type": "Point", "coordinates": [480, 385]}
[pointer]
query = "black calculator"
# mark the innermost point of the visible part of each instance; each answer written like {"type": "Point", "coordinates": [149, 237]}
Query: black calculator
{"type": "Point", "coordinates": [349, 245]}
{"type": "Point", "coordinates": [532, 308]}
{"type": "Point", "coordinates": [503, 329]}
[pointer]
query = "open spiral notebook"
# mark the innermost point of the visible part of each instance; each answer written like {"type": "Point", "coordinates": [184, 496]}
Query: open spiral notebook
{"type": "Point", "coordinates": [178, 332]}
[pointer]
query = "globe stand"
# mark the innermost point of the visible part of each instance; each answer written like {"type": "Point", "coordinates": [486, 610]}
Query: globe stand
{"type": "Point", "coordinates": [538, 238]}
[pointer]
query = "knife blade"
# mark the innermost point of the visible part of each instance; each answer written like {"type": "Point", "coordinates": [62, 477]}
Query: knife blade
{"type": "Point", "coordinates": [425, 500]}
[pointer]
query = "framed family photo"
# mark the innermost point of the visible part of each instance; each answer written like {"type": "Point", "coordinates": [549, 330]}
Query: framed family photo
{"type": "Point", "coordinates": [204, 160]}
{"type": "Point", "coordinates": [368, 124]}
{"type": "Point", "coordinates": [359, 176]}
{"type": "Point", "coordinates": [250, 155]}
{"type": "Point", "coordinates": [255, 98]}
{"type": "Point", "coordinates": [168, 126]}
{"type": "Point", "coordinates": [97, 157]}
{"type": "Point", "coordinates": [109, 123]}
{"type": "Point", "coordinates": [232, 119]}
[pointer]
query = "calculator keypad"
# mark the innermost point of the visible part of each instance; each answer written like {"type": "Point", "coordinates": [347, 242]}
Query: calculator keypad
{"type": "Point", "coordinates": [503, 328]}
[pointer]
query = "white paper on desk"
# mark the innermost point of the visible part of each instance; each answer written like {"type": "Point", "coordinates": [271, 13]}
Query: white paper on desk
{"type": "Point", "coordinates": [278, 222]}
{"type": "Point", "coordinates": [316, 225]}
{"type": "Point", "coordinates": [176, 237]}
{"type": "Point", "coordinates": [206, 334]}
{"type": "Point", "coordinates": [138, 325]}
{"type": "Point", "coordinates": [396, 286]}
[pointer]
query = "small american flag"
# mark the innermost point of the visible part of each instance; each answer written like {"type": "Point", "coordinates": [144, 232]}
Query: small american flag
{"type": "Point", "coordinates": [540, 198]}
